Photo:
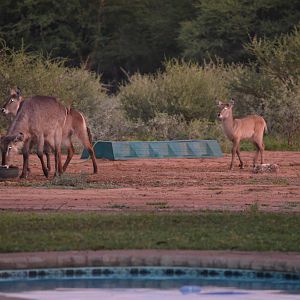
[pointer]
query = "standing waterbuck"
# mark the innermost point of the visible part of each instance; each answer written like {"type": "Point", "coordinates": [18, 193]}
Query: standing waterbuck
{"type": "Point", "coordinates": [75, 124]}
{"type": "Point", "coordinates": [250, 127]}
{"type": "Point", "coordinates": [39, 120]}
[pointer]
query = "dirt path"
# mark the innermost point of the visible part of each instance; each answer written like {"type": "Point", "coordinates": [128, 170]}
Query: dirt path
{"type": "Point", "coordinates": [162, 185]}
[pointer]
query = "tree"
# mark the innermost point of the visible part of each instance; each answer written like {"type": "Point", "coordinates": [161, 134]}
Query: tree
{"type": "Point", "coordinates": [221, 28]}
{"type": "Point", "coordinates": [272, 84]}
{"type": "Point", "coordinates": [107, 36]}
{"type": "Point", "coordinates": [138, 35]}
{"type": "Point", "coordinates": [62, 28]}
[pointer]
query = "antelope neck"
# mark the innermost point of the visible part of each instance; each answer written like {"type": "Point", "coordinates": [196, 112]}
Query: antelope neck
{"type": "Point", "coordinates": [228, 127]}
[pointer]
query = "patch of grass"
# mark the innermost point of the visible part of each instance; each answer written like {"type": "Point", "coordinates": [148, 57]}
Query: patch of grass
{"type": "Point", "coordinates": [272, 143]}
{"type": "Point", "coordinates": [269, 180]}
{"type": "Point", "coordinates": [248, 231]}
{"type": "Point", "coordinates": [291, 205]}
{"type": "Point", "coordinates": [280, 144]}
{"type": "Point", "coordinates": [254, 208]}
{"type": "Point", "coordinates": [118, 206]}
{"type": "Point", "coordinates": [159, 205]}
{"type": "Point", "coordinates": [69, 181]}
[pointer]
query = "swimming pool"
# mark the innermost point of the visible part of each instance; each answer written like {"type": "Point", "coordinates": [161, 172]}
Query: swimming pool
{"type": "Point", "coordinates": [147, 282]}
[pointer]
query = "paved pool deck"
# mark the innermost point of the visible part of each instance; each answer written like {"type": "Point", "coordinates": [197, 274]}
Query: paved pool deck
{"type": "Point", "coordinates": [260, 261]}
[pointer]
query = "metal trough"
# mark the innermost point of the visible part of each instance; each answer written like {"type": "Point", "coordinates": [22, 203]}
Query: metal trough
{"type": "Point", "coordinates": [115, 150]}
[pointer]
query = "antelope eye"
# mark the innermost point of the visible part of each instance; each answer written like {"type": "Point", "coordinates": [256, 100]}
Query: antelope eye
{"type": "Point", "coordinates": [12, 100]}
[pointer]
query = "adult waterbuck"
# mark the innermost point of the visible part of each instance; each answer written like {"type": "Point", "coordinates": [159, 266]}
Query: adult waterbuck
{"type": "Point", "coordinates": [75, 124]}
{"type": "Point", "coordinates": [250, 127]}
{"type": "Point", "coordinates": [39, 120]}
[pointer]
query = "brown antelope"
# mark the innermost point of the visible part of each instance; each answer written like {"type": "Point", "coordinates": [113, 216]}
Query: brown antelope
{"type": "Point", "coordinates": [75, 124]}
{"type": "Point", "coordinates": [40, 119]}
{"type": "Point", "coordinates": [250, 127]}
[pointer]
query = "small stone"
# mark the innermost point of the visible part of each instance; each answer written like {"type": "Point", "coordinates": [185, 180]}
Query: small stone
{"type": "Point", "coordinates": [266, 168]}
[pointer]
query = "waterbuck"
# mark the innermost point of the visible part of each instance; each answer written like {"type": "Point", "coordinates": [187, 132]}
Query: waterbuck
{"type": "Point", "coordinates": [75, 124]}
{"type": "Point", "coordinates": [40, 119]}
{"type": "Point", "coordinates": [250, 127]}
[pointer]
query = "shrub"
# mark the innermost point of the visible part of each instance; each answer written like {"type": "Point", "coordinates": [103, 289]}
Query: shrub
{"type": "Point", "coordinates": [165, 127]}
{"type": "Point", "coordinates": [39, 75]}
{"type": "Point", "coordinates": [184, 89]}
{"type": "Point", "coordinates": [271, 86]}
{"type": "Point", "coordinates": [207, 130]}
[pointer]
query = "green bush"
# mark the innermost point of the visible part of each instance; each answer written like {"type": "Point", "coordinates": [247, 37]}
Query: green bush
{"type": "Point", "coordinates": [39, 75]}
{"type": "Point", "coordinates": [271, 85]}
{"type": "Point", "coordinates": [184, 89]}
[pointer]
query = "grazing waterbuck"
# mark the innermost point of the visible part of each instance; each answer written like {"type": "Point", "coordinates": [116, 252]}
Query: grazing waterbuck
{"type": "Point", "coordinates": [250, 127]}
{"type": "Point", "coordinates": [39, 120]}
{"type": "Point", "coordinates": [75, 124]}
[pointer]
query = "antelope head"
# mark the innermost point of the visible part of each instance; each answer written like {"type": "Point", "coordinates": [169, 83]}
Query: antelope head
{"type": "Point", "coordinates": [225, 109]}
{"type": "Point", "coordinates": [13, 102]}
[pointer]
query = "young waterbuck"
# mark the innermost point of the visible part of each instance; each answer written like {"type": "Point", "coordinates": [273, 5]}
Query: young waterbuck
{"type": "Point", "coordinates": [75, 124]}
{"type": "Point", "coordinates": [250, 127]}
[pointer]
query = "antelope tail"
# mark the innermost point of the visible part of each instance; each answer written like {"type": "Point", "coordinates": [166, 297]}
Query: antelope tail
{"type": "Point", "coordinates": [90, 135]}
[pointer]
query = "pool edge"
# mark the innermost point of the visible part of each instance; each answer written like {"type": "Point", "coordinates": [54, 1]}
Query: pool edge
{"type": "Point", "coordinates": [259, 261]}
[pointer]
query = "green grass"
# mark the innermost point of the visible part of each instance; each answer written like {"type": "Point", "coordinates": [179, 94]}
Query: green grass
{"type": "Point", "coordinates": [272, 143]}
{"type": "Point", "coordinates": [252, 231]}
{"type": "Point", "coordinates": [69, 181]}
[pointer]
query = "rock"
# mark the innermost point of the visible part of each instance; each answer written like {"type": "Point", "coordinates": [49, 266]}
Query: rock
{"type": "Point", "coordinates": [266, 168]}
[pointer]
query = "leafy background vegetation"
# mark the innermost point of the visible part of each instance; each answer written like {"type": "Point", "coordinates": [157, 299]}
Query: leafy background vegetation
{"type": "Point", "coordinates": [154, 69]}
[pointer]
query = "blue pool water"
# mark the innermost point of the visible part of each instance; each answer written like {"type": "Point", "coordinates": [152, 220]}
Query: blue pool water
{"type": "Point", "coordinates": [132, 283]}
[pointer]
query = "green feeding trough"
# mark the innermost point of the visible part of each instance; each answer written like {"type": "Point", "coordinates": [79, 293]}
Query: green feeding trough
{"type": "Point", "coordinates": [115, 150]}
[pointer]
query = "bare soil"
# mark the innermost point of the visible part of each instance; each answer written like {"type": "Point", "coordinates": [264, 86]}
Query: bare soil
{"type": "Point", "coordinates": [161, 185]}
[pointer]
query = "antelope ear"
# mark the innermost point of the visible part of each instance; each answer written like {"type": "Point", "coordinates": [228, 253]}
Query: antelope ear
{"type": "Point", "coordinates": [19, 137]}
{"type": "Point", "coordinates": [18, 91]}
{"type": "Point", "coordinates": [220, 104]}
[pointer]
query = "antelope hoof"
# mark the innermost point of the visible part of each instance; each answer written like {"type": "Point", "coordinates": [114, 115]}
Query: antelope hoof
{"type": "Point", "coordinates": [241, 166]}
{"type": "Point", "coordinates": [23, 176]}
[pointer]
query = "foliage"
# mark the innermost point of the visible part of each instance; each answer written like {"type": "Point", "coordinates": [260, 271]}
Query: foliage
{"type": "Point", "coordinates": [221, 28]}
{"type": "Point", "coordinates": [271, 86]}
{"type": "Point", "coordinates": [37, 75]}
{"type": "Point", "coordinates": [178, 102]}
{"type": "Point", "coordinates": [62, 29]}
{"type": "Point", "coordinates": [165, 127]}
{"type": "Point", "coordinates": [106, 35]}
{"type": "Point", "coordinates": [206, 130]}
{"type": "Point", "coordinates": [138, 35]}
{"type": "Point", "coordinates": [279, 58]}
{"type": "Point", "coordinates": [183, 89]}
{"type": "Point", "coordinates": [247, 231]}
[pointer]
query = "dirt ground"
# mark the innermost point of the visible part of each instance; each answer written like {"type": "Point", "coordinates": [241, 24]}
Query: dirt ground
{"type": "Point", "coordinates": [162, 185]}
